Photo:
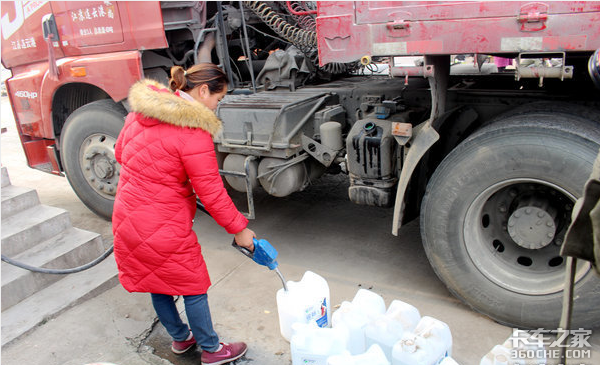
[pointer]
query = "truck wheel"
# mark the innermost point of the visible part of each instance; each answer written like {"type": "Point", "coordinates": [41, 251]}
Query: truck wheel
{"type": "Point", "coordinates": [553, 107]}
{"type": "Point", "coordinates": [88, 153]}
{"type": "Point", "coordinates": [495, 214]}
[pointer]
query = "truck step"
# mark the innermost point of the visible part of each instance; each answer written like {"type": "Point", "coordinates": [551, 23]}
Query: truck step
{"type": "Point", "coordinates": [27, 228]}
{"type": "Point", "coordinates": [51, 301]}
{"type": "Point", "coordinates": [70, 248]}
{"type": "Point", "coordinates": [15, 199]}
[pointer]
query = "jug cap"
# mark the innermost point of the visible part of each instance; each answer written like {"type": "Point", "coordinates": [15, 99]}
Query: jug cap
{"type": "Point", "coordinates": [409, 345]}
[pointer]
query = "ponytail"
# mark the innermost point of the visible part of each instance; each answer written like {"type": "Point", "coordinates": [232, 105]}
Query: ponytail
{"type": "Point", "coordinates": [200, 74]}
{"type": "Point", "coordinates": [177, 81]}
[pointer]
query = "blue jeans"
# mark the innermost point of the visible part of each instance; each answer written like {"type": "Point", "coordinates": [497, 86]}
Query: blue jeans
{"type": "Point", "coordinates": [198, 314]}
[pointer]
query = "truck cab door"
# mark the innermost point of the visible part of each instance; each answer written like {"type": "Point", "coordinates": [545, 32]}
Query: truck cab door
{"type": "Point", "coordinates": [87, 26]}
{"type": "Point", "coordinates": [22, 41]}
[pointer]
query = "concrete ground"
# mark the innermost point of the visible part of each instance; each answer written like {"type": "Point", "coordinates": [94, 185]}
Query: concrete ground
{"type": "Point", "coordinates": [319, 230]}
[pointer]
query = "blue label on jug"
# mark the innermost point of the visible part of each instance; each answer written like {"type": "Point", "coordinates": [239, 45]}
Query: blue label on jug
{"type": "Point", "coordinates": [322, 321]}
{"type": "Point", "coordinates": [318, 312]}
{"type": "Point", "coordinates": [442, 358]}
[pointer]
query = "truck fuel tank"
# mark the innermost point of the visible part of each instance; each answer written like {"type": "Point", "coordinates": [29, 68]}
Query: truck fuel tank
{"type": "Point", "coordinates": [371, 162]}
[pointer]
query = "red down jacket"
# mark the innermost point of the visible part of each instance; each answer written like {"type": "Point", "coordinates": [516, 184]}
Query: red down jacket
{"type": "Point", "coordinates": [166, 153]}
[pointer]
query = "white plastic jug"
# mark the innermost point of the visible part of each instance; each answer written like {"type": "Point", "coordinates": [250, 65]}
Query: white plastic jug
{"type": "Point", "coordinates": [499, 355]}
{"type": "Point", "coordinates": [531, 353]}
{"type": "Point", "coordinates": [428, 345]}
{"type": "Point", "coordinates": [313, 345]}
{"type": "Point", "coordinates": [373, 356]}
{"type": "Point", "coordinates": [388, 329]}
{"type": "Point", "coordinates": [304, 301]}
{"type": "Point", "coordinates": [355, 315]}
{"type": "Point", "coordinates": [448, 361]}
{"type": "Point", "coordinates": [527, 351]}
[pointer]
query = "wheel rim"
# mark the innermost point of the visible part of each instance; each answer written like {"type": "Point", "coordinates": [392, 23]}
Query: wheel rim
{"type": "Point", "coordinates": [99, 165]}
{"type": "Point", "coordinates": [513, 232]}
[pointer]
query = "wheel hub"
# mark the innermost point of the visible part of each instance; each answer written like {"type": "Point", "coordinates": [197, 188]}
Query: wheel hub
{"type": "Point", "coordinates": [531, 227]}
{"type": "Point", "coordinates": [103, 168]}
{"type": "Point", "coordinates": [508, 245]}
{"type": "Point", "coordinates": [100, 167]}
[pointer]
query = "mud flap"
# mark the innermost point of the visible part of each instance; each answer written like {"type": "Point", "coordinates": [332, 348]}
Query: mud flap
{"type": "Point", "coordinates": [424, 136]}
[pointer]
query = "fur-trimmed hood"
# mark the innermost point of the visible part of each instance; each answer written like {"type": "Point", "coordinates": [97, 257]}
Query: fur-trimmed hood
{"type": "Point", "coordinates": [154, 100]}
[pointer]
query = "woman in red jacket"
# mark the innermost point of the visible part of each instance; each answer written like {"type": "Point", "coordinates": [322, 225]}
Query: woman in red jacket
{"type": "Point", "coordinates": [167, 157]}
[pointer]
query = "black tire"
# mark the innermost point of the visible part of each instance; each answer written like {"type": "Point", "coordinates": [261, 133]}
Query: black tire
{"type": "Point", "coordinates": [553, 107]}
{"type": "Point", "coordinates": [88, 153]}
{"type": "Point", "coordinates": [538, 162]}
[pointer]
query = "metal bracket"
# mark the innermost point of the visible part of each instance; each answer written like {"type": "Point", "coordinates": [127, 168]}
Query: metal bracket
{"type": "Point", "coordinates": [322, 153]}
{"type": "Point", "coordinates": [249, 196]}
{"type": "Point", "coordinates": [542, 72]}
{"type": "Point", "coordinates": [402, 71]}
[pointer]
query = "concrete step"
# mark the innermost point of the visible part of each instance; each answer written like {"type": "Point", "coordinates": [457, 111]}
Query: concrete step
{"type": "Point", "coordinates": [70, 248]}
{"type": "Point", "coordinates": [27, 228]}
{"type": "Point", "coordinates": [5, 178]}
{"type": "Point", "coordinates": [16, 199]}
{"type": "Point", "coordinates": [51, 301]}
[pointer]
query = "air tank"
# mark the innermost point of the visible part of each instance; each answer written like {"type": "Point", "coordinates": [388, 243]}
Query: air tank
{"type": "Point", "coordinates": [235, 162]}
{"type": "Point", "coordinates": [281, 177]}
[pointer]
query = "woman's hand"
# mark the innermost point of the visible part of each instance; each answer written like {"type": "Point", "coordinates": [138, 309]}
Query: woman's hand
{"type": "Point", "coordinates": [244, 238]}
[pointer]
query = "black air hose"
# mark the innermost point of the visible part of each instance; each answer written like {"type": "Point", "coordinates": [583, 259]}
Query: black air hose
{"type": "Point", "coordinates": [304, 40]}
{"type": "Point", "coordinates": [299, 37]}
{"type": "Point", "coordinates": [58, 271]}
{"type": "Point", "coordinates": [302, 17]}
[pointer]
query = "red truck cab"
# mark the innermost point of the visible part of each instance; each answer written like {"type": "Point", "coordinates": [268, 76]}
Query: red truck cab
{"type": "Point", "coordinates": [62, 54]}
